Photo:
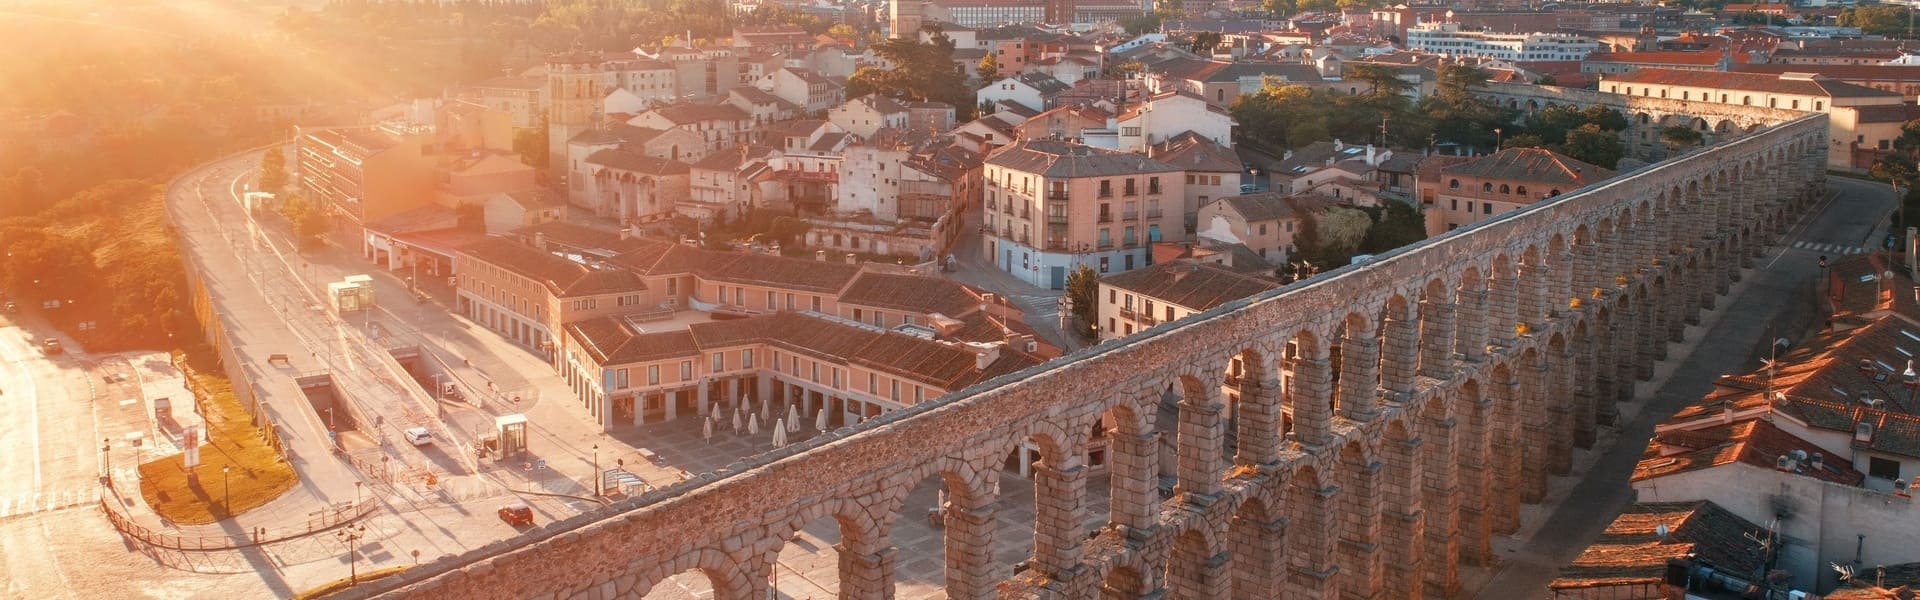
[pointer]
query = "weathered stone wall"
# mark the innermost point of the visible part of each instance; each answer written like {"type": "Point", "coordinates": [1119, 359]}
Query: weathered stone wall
{"type": "Point", "coordinates": [1468, 367]}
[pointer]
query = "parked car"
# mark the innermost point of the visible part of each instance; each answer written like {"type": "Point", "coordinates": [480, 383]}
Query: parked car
{"type": "Point", "coordinates": [419, 436]}
{"type": "Point", "coordinates": [12, 308]}
{"type": "Point", "coordinates": [517, 514]}
{"type": "Point", "coordinates": [51, 346]}
{"type": "Point", "coordinates": [1248, 188]}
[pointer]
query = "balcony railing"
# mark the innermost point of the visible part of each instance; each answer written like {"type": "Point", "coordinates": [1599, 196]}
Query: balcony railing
{"type": "Point", "coordinates": [1105, 218]}
{"type": "Point", "coordinates": [1154, 214]}
{"type": "Point", "coordinates": [1126, 312]}
{"type": "Point", "coordinates": [1130, 215]}
{"type": "Point", "coordinates": [1132, 191]}
{"type": "Point", "coordinates": [1057, 195]}
{"type": "Point", "coordinates": [1056, 245]}
{"type": "Point", "coordinates": [1104, 244]}
{"type": "Point", "coordinates": [1056, 219]}
{"type": "Point", "coordinates": [1153, 189]}
{"type": "Point", "coordinates": [1129, 243]}
{"type": "Point", "coordinates": [1106, 192]}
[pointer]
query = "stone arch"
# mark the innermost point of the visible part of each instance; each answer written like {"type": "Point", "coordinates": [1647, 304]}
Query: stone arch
{"type": "Point", "coordinates": [1308, 384]}
{"type": "Point", "coordinates": [959, 494]}
{"type": "Point", "coordinates": [694, 571]}
{"type": "Point", "coordinates": [1355, 358]}
{"type": "Point", "coordinates": [1133, 449]}
{"type": "Point", "coordinates": [857, 534]}
{"type": "Point", "coordinates": [1436, 315]}
{"type": "Point", "coordinates": [1257, 538]}
{"type": "Point", "coordinates": [1254, 408]}
{"type": "Point", "coordinates": [1192, 570]}
{"type": "Point", "coordinates": [1125, 582]}
{"type": "Point", "coordinates": [1310, 537]}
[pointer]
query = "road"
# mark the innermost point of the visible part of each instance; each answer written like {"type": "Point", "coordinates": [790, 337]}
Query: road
{"type": "Point", "coordinates": [1776, 294]}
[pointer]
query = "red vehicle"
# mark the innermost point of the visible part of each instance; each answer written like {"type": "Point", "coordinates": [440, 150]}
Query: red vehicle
{"type": "Point", "coordinates": [517, 514]}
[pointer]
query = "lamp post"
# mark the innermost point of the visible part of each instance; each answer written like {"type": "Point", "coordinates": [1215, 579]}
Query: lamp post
{"type": "Point", "coordinates": [226, 493]}
{"type": "Point", "coordinates": [1497, 138]}
{"type": "Point", "coordinates": [596, 470]}
{"type": "Point", "coordinates": [348, 535]}
{"type": "Point", "coordinates": [106, 460]}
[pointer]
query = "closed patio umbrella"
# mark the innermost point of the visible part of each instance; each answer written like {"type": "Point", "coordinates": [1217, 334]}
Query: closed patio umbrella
{"type": "Point", "coordinates": [753, 425]}
{"type": "Point", "coordinates": [736, 422]}
{"type": "Point", "coordinates": [780, 433]}
{"type": "Point", "coordinates": [820, 420]}
{"type": "Point", "coordinates": [793, 418]}
{"type": "Point", "coordinates": [706, 428]}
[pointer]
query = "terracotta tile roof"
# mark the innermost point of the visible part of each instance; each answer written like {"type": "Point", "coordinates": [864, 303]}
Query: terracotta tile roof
{"type": "Point", "coordinates": [562, 277]}
{"type": "Point", "coordinates": [1786, 83]}
{"type": "Point", "coordinates": [1193, 152]}
{"type": "Point", "coordinates": [688, 113]}
{"type": "Point", "coordinates": [613, 341]}
{"type": "Point", "coordinates": [628, 160]}
{"type": "Point", "coordinates": [581, 237]}
{"type": "Point", "coordinates": [912, 293]}
{"type": "Point", "coordinates": [1842, 72]}
{"type": "Point", "coordinates": [1631, 552]}
{"type": "Point", "coordinates": [1889, 113]}
{"type": "Point", "coordinates": [1755, 442]}
{"type": "Point", "coordinates": [1705, 58]}
{"type": "Point", "coordinates": [1196, 286]}
{"type": "Point", "coordinates": [1053, 158]}
{"type": "Point", "coordinates": [1273, 206]}
{"type": "Point", "coordinates": [1532, 165]}
{"type": "Point", "coordinates": [732, 158]}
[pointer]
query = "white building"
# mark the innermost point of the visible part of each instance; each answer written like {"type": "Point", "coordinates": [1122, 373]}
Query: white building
{"type": "Point", "coordinates": [1448, 39]}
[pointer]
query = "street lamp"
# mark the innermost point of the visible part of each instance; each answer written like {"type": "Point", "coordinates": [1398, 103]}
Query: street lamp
{"type": "Point", "coordinates": [106, 460]}
{"type": "Point", "coordinates": [226, 493]}
{"type": "Point", "coordinates": [596, 470]}
{"type": "Point", "coordinates": [348, 535]}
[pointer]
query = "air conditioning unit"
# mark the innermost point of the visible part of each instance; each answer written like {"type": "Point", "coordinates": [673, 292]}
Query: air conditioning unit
{"type": "Point", "coordinates": [1863, 432]}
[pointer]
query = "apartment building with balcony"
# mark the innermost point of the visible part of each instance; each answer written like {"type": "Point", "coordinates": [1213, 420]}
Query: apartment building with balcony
{"type": "Point", "coordinates": [1139, 299]}
{"type": "Point", "coordinates": [1051, 206]}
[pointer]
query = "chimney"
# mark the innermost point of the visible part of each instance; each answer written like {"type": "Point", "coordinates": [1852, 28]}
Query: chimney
{"type": "Point", "coordinates": [984, 357]}
{"type": "Point", "coordinates": [1179, 272]}
{"type": "Point", "coordinates": [1372, 156]}
{"type": "Point", "coordinates": [540, 240]}
{"type": "Point", "coordinates": [1339, 145]}
{"type": "Point", "coordinates": [820, 255]}
{"type": "Point", "coordinates": [852, 260]}
{"type": "Point", "coordinates": [1287, 155]}
{"type": "Point", "coordinates": [626, 233]}
{"type": "Point", "coordinates": [1818, 462]}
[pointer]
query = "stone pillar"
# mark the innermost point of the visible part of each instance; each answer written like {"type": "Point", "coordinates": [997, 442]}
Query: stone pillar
{"type": "Point", "coordinates": [1561, 387]}
{"type": "Point", "coordinates": [699, 397]}
{"type": "Point", "coordinates": [1403, 525]}
{"type": "Point", "coordinates": [1624, 353]}
{"type": "Point", "coordinates": [1359, 376]}
{"type": "Point", "coordinates": [1532, 300]}
{"type": "Point", "coordinates": [1505, 463]}
{"type": "Point", "coordinates": [1649, 344]}
{"type": "Point", "coordinates": [1533, 442]}
{"type": "Point", "coordinates": [865, 575]}
{"type": "Point", "coordinates": [1258, 436]}
{"type": "Point", "coordinates": [1401, 356]}
{"type": "Point", "coordinates": [1259, 556]}
{"type": "Point", "coordinates": [1359, 549]}
{"type": "Point", "coordinates": [1059, 515]}
{"type": "Point", "coordinates": [1436, 338]}
{"type": "Point", "coordinates": [1311, 571]}
{"type": "Point", "coordinates": [1470, 343]}
{"type": "Point", "coordinates": [1504, 308]}
{"type": "Point", "coordinates": [1585, 389]}
{"type": "Point", "coordinates": [1440, 489]}
{"type": "Point", "coordinates": [1593, 276]}
{"type": "Point", "coordinates": [1472, 459]}
{"type": "Point", "coordinates": [1312, 401]}
{"type": "Point", "coordinates": [969, 542]}
{"type": "Point", "coordinates": [1136, 488]}
{"type": "Point", "coordinates": [1201, 440]}
{"type": "Point", "coordinates": [1563, 290]}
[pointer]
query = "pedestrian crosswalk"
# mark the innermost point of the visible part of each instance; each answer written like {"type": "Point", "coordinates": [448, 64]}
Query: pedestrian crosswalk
{"type": "Point", "coordinates": [1036, 303]}
{"type": "Point", "coordinates": [1835, 249]}
{"type": "Point", "coordinates": [39, 502]}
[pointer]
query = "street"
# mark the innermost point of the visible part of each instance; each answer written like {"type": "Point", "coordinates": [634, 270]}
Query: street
{"type": "Point", "coordinates": [1772, 295]}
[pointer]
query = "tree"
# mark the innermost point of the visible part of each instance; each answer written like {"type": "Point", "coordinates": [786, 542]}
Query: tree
{"type": "Point", "coordinates": [1399, 224]}
{"type": "Point", "coordinates": [273, 171]}
{"type": "Point", "coordinates": [1380, 79]}
{"type": "Point", "coordinates": [1280, 8]}
{"type": "Point", "coordinates": [989, 68]}
{"type": "Point", "coordinates": [1141, 24]}
{"type": "Point", "coordinates": [1524, 140]}
{"type": "Point", "coordinates": [532, 145]}
{"type": "Point", "coordinates": [921, 71]}
{"type": "Point", "coordinates": [1680, 136]}
{"type": "Point", "coordinates": [1204, 43]}
{"type": "Point", "coordinates": [1592, 144]}
{"type": "Point", "coordinates": [1083, 290]}
{"type": "Point", "coordinates": [1547, 79]}
{"type": "Point", "coordinates": [1876, 20]}
{"type": "Point", "coordinates": [842, 31]}
{"type": "Point", "coordinates": [1898, 168]}
{"type": "Point", "coordinates": [1329, 238]}
{"type": "Point", "coordinates": [308, 219]}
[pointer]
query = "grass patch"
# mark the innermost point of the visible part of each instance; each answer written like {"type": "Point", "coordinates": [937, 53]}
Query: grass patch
{"type": "Point", "coordinates": [258, 474]}
{"type": "Point", "coordinates": [345, 582]}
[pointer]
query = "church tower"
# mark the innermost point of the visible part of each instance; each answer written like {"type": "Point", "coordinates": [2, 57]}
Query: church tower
{"type": "Point", "coordinates": [573, 102]}
{"type": "Point", "coordinates": [903, 20]}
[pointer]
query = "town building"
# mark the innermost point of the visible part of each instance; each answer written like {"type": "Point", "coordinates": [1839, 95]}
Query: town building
{"type": "Point", "coordinates": [1213, 170]}
{"type": "Point", "coordinates": [1142, 298]}
{"type": "Point", "coordinates": [1035, 91]}
{"type": "Point", "coordinates": [868, 114]}
{"type": "Point", "coordinates": [630, 187]}
{"type": "Point", "coordinates": [1475, 190]}
{"type": "Point", "coordinates": [715, 125]}
{"type": "Point", "coordinates": [522, 97]}
{"type": "Point", "coordinates": [1451, 39]}
{"type": "Point", "coordinates": [1264, 223]}
{"type": "Point", "coordinates": [1052, 206]}
{"type": "Point", "coordinates": [364, 174]}
{"type": "Point", "coordinates": [1862, 122]}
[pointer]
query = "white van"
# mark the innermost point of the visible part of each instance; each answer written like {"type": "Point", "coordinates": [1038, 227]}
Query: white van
{"type": "Point", "coordinates": [419, 436]}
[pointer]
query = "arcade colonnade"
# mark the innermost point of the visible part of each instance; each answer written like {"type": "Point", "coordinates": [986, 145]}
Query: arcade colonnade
{"type": "Point", "coordinates": [1391, 419]}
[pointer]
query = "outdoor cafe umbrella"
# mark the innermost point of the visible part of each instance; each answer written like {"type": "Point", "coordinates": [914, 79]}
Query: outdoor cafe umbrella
{"type": "Point", "coordinates": [753, 425]}
{"type": "Point", "coordinates": [706, 428]}
{"type": "Point", "coordinates": [793, 418]}
{"type": "Point", "coordinates": [780, 433]}
{"type": "Point", "coordinates": [736, 422]}
{"type": "Point", "coordinates": [766, 409]}
{"type": "Point", "coordinates": [820, 420]}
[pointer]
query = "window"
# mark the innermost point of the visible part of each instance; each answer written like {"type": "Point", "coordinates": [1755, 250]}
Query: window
{"type": "Point", "coordinates": [653, 374]}
{"type": "Point", "coordinates": [873, 384]}
{"type": "Point", "coordinates": [1486, 187]}
{"type": "Point", "coordinates": [621, 379]}
{"type": "Point", "coordinates": [879, 319]}
{"type": "Point", "coordinates": [790, 302]}
{"type": "Point", "coordinates": [1453, 185]}
{"type": "Point", "coordinates": [746, 359]}
{"type": "Point", "coordinates": [771, 303]}
{"type": "Point", "coordinates": [1504, 189]}
{"type": "Point", "coordinates": [739, 296]}
{"type": "Point", "coordinates": [1522, 190]}
{"type": "Point", "coordinates": [1486, 208]}
{"type": "Point", "coordinates": [686, 370]}
{"type": "Point", "coordinates": [816, 304]}
{"type": "Point", "coordinates": [1263, 229]}
{"type": "Point", "coordinates": [1883, 468]}
{"type": "Point", "coordinates": [719, 362]}
{"type": "Point", "coordinates": [1111, 294]}
{"type": "Point", "coordinates": [1103, 261]}
{"type": "Point", "coordinates": [895, 394]}
{"type": "Point", "coordinates": [1109, 323]}
{"type": "Point", "coordinates": [858, 315]}
{"type": "Point", "coordinates": [1106, 188]}
{"type": "Point", "coordinates": [1169, 313]}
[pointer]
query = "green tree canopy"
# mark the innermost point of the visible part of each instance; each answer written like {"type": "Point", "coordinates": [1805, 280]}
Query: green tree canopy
{"type": "Point", "coordinates": [1083, 290]}
{"type": "Point", "coordinates": [1592, 144]}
